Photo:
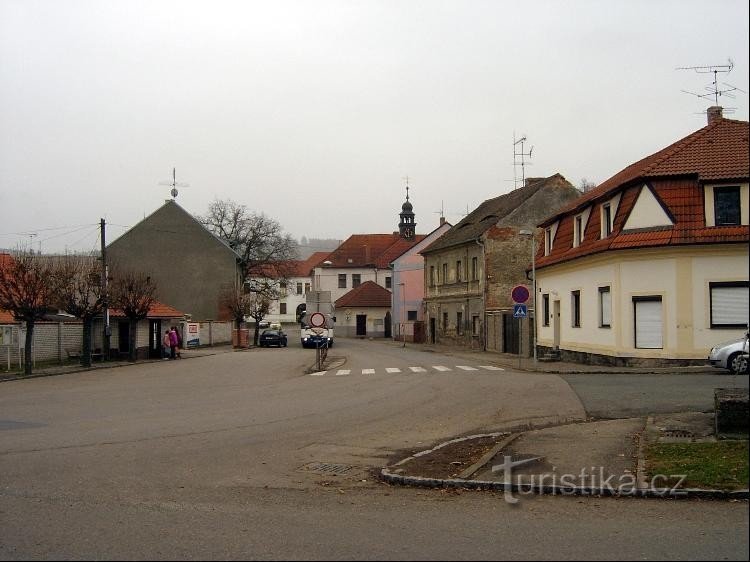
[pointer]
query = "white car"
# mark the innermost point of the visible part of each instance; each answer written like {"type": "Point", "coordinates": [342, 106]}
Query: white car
{"type": "Point", "coordinates": [731, 355]}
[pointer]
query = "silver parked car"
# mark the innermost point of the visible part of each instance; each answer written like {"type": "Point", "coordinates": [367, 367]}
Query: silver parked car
{"type": "Point", "coordinates": [731, 355]}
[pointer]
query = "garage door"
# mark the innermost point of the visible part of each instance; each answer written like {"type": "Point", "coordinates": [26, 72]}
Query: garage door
{"type": "Point", "coordinates": [648, 323]}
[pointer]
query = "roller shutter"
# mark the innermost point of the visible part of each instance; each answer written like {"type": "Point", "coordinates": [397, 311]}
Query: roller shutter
{"type": "Point", "coordinates": [648, 323]}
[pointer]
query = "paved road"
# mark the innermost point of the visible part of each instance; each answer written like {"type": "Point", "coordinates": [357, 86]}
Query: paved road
{"type": "Point", "coordinates": [211, 457]}
{"type": "Point", "coordinates": [612, 396]}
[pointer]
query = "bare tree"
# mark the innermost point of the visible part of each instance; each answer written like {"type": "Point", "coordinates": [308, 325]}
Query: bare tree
{"type": "Point", "coordinates": [238, 302]}
{"type": "Point", "coordinates": [259, 305]}
{"type": "Point", "coordinates": [78, 291]}
{"type": "Point", "coordinates": [26, 292]}
{"type": "Point", "coordinates": [258, 239]}
{"type": "Point", "coordinates": [133, 293]}
{"type": "Point", "coordinates": [586, 185]}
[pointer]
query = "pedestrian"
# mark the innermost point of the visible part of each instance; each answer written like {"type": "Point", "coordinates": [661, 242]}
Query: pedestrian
{"type": "Point", "coordinates": [165, 345]}
{"type": "Point", "coordinates": [173, 343]}
{"type": "Point", "coordinates": [179, 343]}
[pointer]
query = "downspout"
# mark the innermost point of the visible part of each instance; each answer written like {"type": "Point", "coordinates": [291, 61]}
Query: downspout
{"type": "Point", "coordinates": [484, 296]}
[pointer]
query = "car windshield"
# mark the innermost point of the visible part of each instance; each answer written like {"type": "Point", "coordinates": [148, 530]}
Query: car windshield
{"type": "Point", "coordinates": [270, 333]}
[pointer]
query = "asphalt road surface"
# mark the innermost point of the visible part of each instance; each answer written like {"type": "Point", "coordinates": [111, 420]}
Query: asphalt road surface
{"type": "Point", "coordinates": [226, 457]}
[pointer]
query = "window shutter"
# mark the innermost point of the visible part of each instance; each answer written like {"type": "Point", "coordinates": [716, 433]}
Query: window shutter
{"type": "Point", "coordinates": [648, 327]}
{"type": "Point", "coordinates": [729, 306]}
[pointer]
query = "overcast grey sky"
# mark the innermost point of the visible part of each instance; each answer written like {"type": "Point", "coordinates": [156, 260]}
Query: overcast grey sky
{"type": "Point", "coordinates": [314, 111]}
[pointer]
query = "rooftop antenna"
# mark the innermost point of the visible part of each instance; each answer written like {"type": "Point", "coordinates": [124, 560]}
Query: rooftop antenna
{"type": "Point", "coordinates": [174, 183]}
{"type": "Point", "coordinates": [522, 163]}
{"type": "Point", "coordinates": [715, 90]}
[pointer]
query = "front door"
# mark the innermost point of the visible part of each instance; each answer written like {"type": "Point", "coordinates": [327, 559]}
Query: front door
{"type": "Point", "coordinates": [387, 322]}
{"type": "Point", "coordinates": [123, 336]}
{"type": "Point", "coordinates": [556, 323]}
{"type": "Point", "coordinates": [511, 336]}
{"type": "Point", "coordinates": [361, 325]}
{"type": "Point", "coordinates": [154, 339]}
{"type": "Point", "coordinates": [432, 330]}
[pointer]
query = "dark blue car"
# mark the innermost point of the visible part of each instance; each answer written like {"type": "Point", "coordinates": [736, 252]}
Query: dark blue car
{"type": "Point", "coordinates": [272, 337]}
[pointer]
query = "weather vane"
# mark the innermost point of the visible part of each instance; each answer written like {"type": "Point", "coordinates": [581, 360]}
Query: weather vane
{"type": "Point", "coordinates": [174, 184]}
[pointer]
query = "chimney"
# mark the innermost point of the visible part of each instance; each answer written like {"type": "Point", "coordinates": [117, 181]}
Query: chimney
{"type": "Point", "coordinates": [442, 221]}
{"type": "Point", "coordinates": [714, 114]}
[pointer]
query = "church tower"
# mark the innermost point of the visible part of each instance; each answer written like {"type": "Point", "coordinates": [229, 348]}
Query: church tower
{"type": "Point", "coordinates": [407, 226]}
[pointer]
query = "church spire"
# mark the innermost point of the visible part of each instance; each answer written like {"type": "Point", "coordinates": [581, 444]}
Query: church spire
{"type": "Point", "coordinates": [407, 226]}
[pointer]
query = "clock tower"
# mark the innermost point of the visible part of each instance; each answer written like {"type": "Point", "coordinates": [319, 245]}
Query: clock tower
{"type": "Point", "coordinates": [407, 226]}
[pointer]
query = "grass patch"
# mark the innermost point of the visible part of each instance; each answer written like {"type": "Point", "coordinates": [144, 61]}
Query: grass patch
{"type": "Point", "coordinates": [721, 466]}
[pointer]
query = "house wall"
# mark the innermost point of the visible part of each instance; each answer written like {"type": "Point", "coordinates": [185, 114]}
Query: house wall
{"type": "Point", "coordinates": [51, 339]}
{"type": "Point", "coordinates": [681, 276]}
{"type": "Point", "coordinates": [327, 279]}
{"type": "Point", "coordinates": [189, 266]}
{"type": "Point", "coordinates": [451, 296]}
{"type": "Point", "coordinates": [346, 322]}
{"type": "Point", "coordinates": [409, 270]}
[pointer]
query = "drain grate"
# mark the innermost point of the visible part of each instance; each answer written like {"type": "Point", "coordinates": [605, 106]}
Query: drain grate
{"type": "Point", "coordinates": [330, 469]}
{"type": "Point", "coordinates": [678, 433]}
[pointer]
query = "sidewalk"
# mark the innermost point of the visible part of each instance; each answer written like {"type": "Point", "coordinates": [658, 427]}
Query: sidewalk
{"type": "Point", "coordinates": [523, 363]}
{"type": "Point", "coordinates": [52, 370]}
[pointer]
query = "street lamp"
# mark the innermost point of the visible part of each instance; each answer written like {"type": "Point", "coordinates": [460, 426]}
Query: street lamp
{"type": "Point", "coordinates": [530, 234]}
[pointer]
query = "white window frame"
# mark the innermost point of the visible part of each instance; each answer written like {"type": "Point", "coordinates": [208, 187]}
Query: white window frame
{"type": "Point", "coordinates": [728, 301]}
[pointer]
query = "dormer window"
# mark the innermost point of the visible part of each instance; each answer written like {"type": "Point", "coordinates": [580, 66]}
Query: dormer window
{"type": "Point", "coordinates": [547, 241]}
{"type": "Point", "coordinates": [577, 230]}
{"type": "Point", "coordinates": [727, 205]}
{"type": "Point", "coordinates": [606, 220]}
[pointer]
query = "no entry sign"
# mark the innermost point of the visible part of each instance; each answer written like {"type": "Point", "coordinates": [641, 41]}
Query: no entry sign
{"type": "Point", "coordinates": [520, 294]}
{"type": "Point", "coordinates": [317, 320]}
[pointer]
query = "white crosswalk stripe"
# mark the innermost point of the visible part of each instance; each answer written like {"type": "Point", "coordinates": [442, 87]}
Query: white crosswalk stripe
{"type": "Point", "coordinates": [396, 370]}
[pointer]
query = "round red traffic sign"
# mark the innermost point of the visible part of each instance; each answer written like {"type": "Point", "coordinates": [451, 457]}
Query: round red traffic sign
{"type": "Point", "coordinates": [317, 320]}
{"type": "Point", "coordinates": [520, 294]}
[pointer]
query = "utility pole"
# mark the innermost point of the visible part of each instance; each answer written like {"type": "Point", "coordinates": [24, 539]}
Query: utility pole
{"type": "Point", "coordinates": [105, 293]}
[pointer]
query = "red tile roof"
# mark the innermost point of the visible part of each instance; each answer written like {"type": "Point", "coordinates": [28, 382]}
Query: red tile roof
{"type": "Point", "coordinates": [158, 310]}
{"type": "Point", "coordinates": [371, 250]}
{"type": "Point", "coordinates": [716, 153]}
{"type": "Point", "coordinates": [6, 317]}
{"type": "Point", "coordinates": [719, 151]}
{"type": "Point", "coordinates": [289, 268]}
{"type": "Point", "coordinates": [368, 295]}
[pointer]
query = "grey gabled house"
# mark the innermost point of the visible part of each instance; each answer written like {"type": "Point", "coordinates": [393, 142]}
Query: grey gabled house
{"type": "Point", "coordinates": [190, 266]}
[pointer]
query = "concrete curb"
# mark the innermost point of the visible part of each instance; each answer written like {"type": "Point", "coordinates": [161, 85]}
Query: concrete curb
{"type": "Point", "coordinates": [389, 477]}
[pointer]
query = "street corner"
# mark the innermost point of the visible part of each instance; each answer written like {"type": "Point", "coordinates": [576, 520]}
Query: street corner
{"type": "Point", "coordinates": [595, 458]}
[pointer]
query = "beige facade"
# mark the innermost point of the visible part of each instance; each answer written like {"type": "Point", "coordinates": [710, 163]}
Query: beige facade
{"type": "Point", "coordinates": [680, 277]}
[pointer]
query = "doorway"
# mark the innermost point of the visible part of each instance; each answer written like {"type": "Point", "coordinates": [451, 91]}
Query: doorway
{"type": "Point", "coordinates": [123, 337]}
{"type": "Point", "coordinates": [432, 330]}
{"type": "Point", "coordinates": [361, 325]}
{"type": "Point", "coordinates": [511, 334]}
{"type": "Point", "coordinates": [387, 325]}
{"type": "Point", "coordinates": [154, 339]}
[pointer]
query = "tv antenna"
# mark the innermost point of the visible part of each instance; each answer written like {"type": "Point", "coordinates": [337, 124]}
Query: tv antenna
{"type": "Point", "coordinates": [174, 183]}
{"type": "Point", "coordinates": [715, 90]}
{"type": "Point", "coordinates": [522, 163]}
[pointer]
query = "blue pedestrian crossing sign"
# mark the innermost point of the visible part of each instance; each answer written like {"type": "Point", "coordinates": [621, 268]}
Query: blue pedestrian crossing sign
{"type": "Point", "coordinates": [519, 311]}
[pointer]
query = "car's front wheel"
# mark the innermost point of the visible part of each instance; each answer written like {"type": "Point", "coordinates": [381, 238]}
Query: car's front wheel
{"type": "Point", "coordinates": [737, 363]}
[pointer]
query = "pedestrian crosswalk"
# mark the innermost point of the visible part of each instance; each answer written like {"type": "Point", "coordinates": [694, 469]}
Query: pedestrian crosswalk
{"type": "Point", "coordinates": [407, 370]}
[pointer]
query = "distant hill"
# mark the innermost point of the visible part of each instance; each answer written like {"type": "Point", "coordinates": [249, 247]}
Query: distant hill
{"type": "Point", "coordinates": [308, 246]}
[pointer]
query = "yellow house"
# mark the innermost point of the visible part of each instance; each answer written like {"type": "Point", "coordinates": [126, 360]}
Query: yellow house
{"type": "Point", "coordinates": [651, 266]}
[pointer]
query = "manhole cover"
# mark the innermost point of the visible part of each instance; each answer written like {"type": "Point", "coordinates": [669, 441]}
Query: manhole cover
{"type": "Point", "coordinates": [329, 469]}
